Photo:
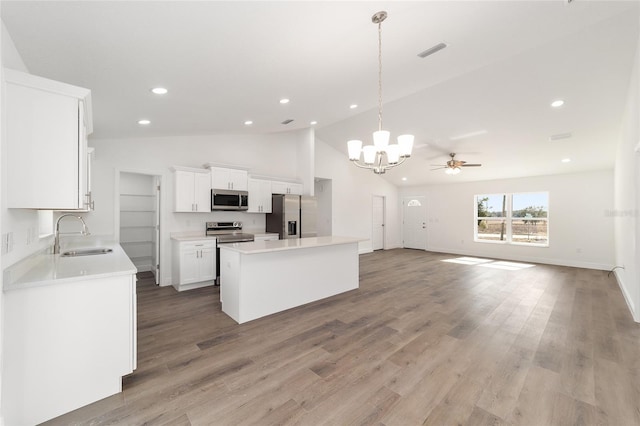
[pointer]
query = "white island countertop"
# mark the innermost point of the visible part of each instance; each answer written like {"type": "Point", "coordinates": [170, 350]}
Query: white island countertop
{"type": "Point", "coordinates": [256, 247]}
{"type": "Point", "coordinates": [43, 268]}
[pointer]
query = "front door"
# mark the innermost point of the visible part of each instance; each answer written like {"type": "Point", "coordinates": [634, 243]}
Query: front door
{"type": "Point", "coordinates": [414, 223]}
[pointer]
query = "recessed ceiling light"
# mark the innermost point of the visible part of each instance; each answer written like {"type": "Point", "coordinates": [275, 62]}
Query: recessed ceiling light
{"type": "Point", "coordinates": [313, 123]}
{"type": "Point", "coordinates": [284, 101]}
{"type": "Point", "coordinates": [353, 106]}
{"type": "Point", "coordinates": [248, 123]}
{"type": "Point", "coordinates": [159, 90]}
{"type": "Point", "coordinates": [144, 122]}
{"type": "Point", "coordinates": [558, 103]}
{"type": "Point", "coordinates": [566, 160]}
{"type": "Point", "coordinates": [404, 179]}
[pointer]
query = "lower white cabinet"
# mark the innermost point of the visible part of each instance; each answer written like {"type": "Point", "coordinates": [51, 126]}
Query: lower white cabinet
{"type": "Point", "coordinates": [194, 264]}
{"type": "Point", "coordinates": [68, 345]}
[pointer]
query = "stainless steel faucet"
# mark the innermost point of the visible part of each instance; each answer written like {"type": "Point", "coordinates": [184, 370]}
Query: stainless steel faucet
{"type": "Point", "coordinates": [56, 241]}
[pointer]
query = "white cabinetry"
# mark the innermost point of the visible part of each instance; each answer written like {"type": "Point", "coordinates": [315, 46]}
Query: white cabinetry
{"type": "Point", "coordinates": [224, 178]}
{"type": "Point", "coordinates": [259, 196]}
{"type": "Point", "coordinates": [286, 188]}
{"type": "Point", "coordinates": [47, 123]}
{"type": "Point", "coordinates": [69, 344]}
{"type": "Point", "coordinates": [192, 190]}
{"type": "Point", "coordinates": [194, 264]}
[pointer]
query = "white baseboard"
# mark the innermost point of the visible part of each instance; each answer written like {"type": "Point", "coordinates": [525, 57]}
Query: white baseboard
{"type": "Point", "coordinates": [627, 297]}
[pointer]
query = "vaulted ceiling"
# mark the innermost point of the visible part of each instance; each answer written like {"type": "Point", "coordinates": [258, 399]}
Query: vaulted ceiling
{"type": "Point", "coordinates": [486, 96]}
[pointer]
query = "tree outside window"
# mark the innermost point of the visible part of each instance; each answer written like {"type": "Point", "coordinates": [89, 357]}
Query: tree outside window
{"type": "Point", "coordinates": [519, 218]}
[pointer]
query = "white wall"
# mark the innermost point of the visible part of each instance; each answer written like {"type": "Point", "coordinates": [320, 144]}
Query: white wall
{"type": "Point", "coordinates": [306, 164]}
{"type": "Point", "coordinates": [352, 192]}
{"type": "Point", "coordinates": [580, 230]}
{"type": "Point", "coordinates": [22, 224]}
{"type": "Point", "coordinates": [271, 155]}
{"type": "Point", "coordinates": [323, 193]}
{"type": "Point", "coordinates": [9, 58]}
{"type": "Point", "coordinates": [626, 214]}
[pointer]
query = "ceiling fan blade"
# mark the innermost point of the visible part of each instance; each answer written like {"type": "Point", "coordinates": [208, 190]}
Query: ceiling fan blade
{"type": "Point", "coordinates": [439, 168]}
{"type": "Point", "coordinates": [471, 165]}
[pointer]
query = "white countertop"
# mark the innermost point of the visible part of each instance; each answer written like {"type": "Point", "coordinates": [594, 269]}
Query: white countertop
{"type": "Point", "coordinates": [199, 236]}
{"type": "Point", "coordinates": [191, 236]}
{"type": "Point", "coordinates": [41, 269]}
{"type": "Point", "coordinates": [256, 247]}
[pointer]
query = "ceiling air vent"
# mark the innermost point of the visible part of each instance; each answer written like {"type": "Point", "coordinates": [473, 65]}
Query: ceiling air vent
{"type": "Point", "coordinates": [287, 121]}
{"type": "Point", "coordinates": [559, 136]}
{"type": "Point", "coordinates": [432, 50]}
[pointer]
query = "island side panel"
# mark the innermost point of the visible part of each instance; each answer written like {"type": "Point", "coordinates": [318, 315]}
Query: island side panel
{"type": "Point", "coordinates": [230, 283]}
{"type": "Point", "coordinates": [271, 282]}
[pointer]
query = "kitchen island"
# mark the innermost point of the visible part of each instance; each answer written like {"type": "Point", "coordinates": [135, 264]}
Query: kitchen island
{"type": "Point", "coordinates": [69, 333]}
{"type": "Point", "coordinates": [261, 278]}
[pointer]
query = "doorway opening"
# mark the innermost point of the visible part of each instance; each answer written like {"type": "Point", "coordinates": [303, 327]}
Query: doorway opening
{"type": "Point", "coordinates": [139, 220]}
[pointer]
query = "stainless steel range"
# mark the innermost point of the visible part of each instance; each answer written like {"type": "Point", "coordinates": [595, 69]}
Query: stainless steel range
{"type": "Point", "coordinates": [225, 233]}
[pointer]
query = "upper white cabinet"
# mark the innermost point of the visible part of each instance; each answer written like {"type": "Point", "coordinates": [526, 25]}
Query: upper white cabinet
{"type": "Point", "coordinates": [192, 190]}
{"type": "Point", "coordinates": [47, 124]}
{"type": "Point", "coordinates": [286, 188]}
{"type": "Point", "coordinates": [259, 196]}
{"type": "Point", "coordinates": [224, 178]}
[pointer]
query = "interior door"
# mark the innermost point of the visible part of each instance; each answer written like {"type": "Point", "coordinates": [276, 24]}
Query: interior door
{"type": "Point", "coordinates": [377, 234]}
{"type": "Point", "coordinates": [156, 259]}
{"type": "Point", "coordinates": [414, 223]}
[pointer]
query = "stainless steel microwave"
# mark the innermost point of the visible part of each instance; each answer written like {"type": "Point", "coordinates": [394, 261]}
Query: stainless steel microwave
{"type": "Point", "coordinates": [225, 199]}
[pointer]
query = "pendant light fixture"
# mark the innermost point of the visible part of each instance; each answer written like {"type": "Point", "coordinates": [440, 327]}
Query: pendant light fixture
{"type": "Point", "coordinates": [381, 156]}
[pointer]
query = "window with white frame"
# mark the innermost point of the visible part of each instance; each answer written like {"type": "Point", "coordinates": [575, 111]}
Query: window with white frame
{"type": "Point", "coordinates": [518, 218]}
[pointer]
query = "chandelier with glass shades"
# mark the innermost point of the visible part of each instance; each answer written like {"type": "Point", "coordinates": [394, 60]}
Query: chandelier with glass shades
{"type": "Point", "coordinates": [381, 156]}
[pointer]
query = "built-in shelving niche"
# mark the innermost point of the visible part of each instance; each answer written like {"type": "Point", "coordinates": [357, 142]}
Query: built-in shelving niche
{"type": "Point", "coordinates": [139, 219]}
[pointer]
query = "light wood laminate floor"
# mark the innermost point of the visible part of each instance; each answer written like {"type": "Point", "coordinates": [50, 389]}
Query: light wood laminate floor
{"type": "Point", "coordinates": [423, 341]}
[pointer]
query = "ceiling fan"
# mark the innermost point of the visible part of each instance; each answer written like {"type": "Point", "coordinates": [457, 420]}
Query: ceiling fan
{"type": "Point", "coordinates": [453, 166]}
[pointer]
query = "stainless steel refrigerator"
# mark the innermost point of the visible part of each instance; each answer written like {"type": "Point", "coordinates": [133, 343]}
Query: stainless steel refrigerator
{"type": "Point", "coordinates": [293, 216]}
